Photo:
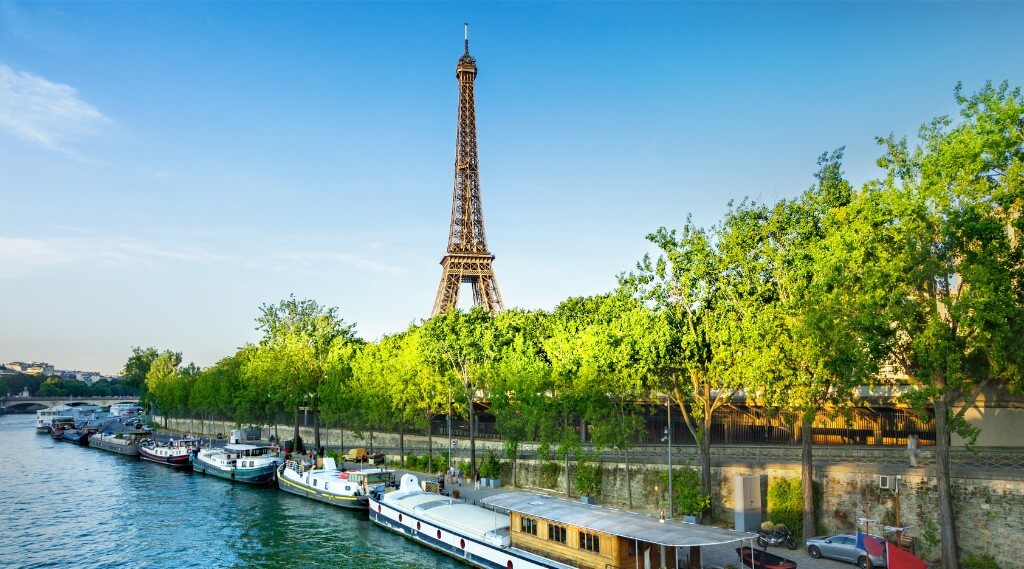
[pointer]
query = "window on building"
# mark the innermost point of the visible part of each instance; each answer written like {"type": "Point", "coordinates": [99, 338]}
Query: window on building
{"type": "Point", "coordinates": [556, 533]}
{"type": "Point", "coordinates": [590, 542]}
{"type": "Point", "coordinates": [528, 525]}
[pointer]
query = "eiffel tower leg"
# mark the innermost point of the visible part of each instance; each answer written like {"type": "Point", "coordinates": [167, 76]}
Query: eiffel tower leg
{"type": "Point", "coordinates": [478, 296]}
{"type": "Point", "coordinates": [489, 295]}
{"type": "Point", "coordinates": [447, 291]}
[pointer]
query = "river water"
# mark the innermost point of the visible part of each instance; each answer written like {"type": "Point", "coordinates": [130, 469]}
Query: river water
{"type": "Point", "coordinates": [63, 505]}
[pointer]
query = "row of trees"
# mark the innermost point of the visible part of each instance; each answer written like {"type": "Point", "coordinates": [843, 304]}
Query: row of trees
{"type": "Point", "coordinates": [791, 306]}
{"type": "Point", "coordinates": [56, 386]}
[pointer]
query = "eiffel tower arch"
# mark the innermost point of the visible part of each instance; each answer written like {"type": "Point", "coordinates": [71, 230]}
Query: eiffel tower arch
{"type": "Point", "coordinates": [467, 260]}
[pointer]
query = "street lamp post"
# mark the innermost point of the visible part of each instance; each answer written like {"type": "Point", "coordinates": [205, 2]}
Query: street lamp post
{"type": "Point", "coordinates": [449, 430]}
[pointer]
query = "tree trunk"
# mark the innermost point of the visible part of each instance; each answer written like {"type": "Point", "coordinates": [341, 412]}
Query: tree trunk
{"type": "Point", "coordinates": [472, 439]}
{"type": "Point", "coordinates": [568, 488]}
{"type": "Point", "coordinates": [430, 446]}
{"type": "Point", "coordinates": [947, 516]}
{"type": "Point", "coordinates": [295, 435]}
{"type": "Point", "coordinates": [515, 469]}
{"type": "Point", "coordinates": [704, 448]}
{"type": "Point", "coordinates": [371, 441]}
{"type": "Point", "coordinates": [807, 474]}
{"type": "Point", "coordinates": [629, 482]}
{"type": "Point", "coordinates": [316, 430]}
{"type": "Point", "coordinates": [401, 443]}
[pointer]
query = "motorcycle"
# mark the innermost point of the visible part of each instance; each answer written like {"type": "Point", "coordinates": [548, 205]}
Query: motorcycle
{"type": "Point", "coordinates": [781, 536]}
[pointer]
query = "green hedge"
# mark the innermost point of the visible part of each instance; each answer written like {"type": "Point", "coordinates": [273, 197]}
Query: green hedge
{"type": "Point", "coordinates": [978, 561]}
{"type": "Point", "coordinates": [786, 504]}
{"type": "Point", "coordinates": [687, 497]}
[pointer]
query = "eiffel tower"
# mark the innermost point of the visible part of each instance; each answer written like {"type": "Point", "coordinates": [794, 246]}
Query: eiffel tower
{"type": "Point", "coordinates": [467, 259]}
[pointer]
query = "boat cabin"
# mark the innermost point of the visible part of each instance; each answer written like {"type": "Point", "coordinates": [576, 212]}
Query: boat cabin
{"type": "Point", "coordinates": [247, 451]}
{"type": "Point", "coordinates": [596, 537]}
{"type": "Point", "coordinates": [370, 478]}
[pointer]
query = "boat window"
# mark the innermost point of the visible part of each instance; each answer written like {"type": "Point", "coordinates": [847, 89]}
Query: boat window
{"type": "Point", "coordinates": [590, 542]}
{"type": "Point", "coordinates": [528, 525]}
{"type": "Point", "coordinates": [556, 533]}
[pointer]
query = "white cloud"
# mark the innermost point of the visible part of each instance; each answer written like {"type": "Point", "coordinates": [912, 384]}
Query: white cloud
{"type": "Point", "coordinates": [20, 256]}
{"type": "Point", "coordinates": [42, 112]}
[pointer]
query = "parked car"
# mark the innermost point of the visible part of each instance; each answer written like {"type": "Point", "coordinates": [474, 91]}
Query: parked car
{"type": "Point", "coordinates": [842, 547]}
{"type": "Point", "coordinates": [357, 454]}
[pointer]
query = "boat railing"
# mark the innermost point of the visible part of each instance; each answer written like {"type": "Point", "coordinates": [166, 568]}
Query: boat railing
{"type": "Point", "coordinates": [296, 466]}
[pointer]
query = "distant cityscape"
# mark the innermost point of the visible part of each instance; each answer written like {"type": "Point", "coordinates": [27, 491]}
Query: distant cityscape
{"type": "Point", "coordinates": [47, 370]}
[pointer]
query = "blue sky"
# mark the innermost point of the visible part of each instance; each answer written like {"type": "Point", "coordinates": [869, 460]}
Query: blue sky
{"type": "Point", "coordinates": [167, 168]}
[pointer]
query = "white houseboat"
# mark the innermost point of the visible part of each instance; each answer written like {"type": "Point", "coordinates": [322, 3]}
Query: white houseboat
{"type": "Point", "coordinates": [329, 484]}
{"type": "Point", "coordinates": [519, 530]}
{"type": "Point", "coordinates": [249, 463]}
{"type": "Point", "coordinates": [44, 417]}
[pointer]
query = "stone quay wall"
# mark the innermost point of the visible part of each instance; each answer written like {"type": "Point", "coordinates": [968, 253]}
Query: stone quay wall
{"type": "Point", "coordinates": [989, 502]}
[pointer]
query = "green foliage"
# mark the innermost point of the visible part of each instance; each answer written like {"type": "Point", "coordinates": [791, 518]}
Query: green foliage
{"type": "Point", "coordinates": [587, 475]}
{"type": "Point", "coordinates": [137, 366]}
{"type": "Point", "coordinates": [490, 466]}
{"type": "Point", "coordinates": [786, 503]}
{"type": "Point", "coordinates": [689, 499]}
{"type": "Point", "coordinates": [549, 472]}
{"type": "Point", "coordinates": [978, 561]}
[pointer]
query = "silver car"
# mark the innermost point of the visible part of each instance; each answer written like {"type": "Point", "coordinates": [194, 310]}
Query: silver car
{"type": "Point", "coordinates": [842, 547]}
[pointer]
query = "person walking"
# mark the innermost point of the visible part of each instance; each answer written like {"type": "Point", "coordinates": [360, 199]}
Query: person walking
{"type": "Point", "coordinates": [476, 481]}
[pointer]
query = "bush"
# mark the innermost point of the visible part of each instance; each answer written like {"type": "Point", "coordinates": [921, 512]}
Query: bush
{"type": "Point", "coordinates": [490, 466]}
{"type": "Point", "coordinates": [587, 476]}
{"type": "Point", "coordinates": [979, 561]}
{"type": "Point", "coordinates": [549, 472]}
{"type": "Point", "coordinates": [688, 498]}
{"type": "Point", "coordinates": [786, 504]}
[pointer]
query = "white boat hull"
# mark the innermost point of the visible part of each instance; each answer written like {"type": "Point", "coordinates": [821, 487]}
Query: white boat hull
{"type": "Point", "coordinates": [467, 548]}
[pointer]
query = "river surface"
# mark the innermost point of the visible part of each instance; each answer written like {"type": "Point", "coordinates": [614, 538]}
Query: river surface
{"type": "Point", "coordinates": [62, 505]}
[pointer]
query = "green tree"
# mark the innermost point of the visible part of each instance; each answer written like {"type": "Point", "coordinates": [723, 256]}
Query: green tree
{"type": "Point", "coordinates": [519, 379]}
{"type": "Point", "coordinates": [290, 362]}
{"type": "Point", "coordinates": [958, 197]}
{"type": "Point", "coordinates": [706, 308]}
{"type": "Point", "coordinates": [137, 366]}
{"type": "Point", "coordinates": [459, 345]}
{"type": "Point", "coordinates": [167, 386]}
{"type": "Point", "coordinates": [823, 330]}
{"type": "Point", "coordinates": [610, 346]}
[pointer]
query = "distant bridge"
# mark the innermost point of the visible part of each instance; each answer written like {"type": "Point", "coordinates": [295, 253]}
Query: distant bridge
{"type": "Point", "coordinates": [27, 404]}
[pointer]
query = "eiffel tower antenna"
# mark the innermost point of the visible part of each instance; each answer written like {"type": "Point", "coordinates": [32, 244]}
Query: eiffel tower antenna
{"type": "Point", "coordinates": [468, 259]}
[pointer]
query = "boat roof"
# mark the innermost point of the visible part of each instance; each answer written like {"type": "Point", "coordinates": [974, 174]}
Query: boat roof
{"type": "Point", "coordinates": [369, 471]}
{"type": "Point", "coordinates": [242, 446]}
{"type": "Point", "coordinates": [468, 518]}
{"type": "Point", "coordinates": [672, 533]}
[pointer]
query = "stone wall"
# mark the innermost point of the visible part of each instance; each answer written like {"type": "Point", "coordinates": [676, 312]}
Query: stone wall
{"type": "Point", "coordinates": [989, 503]}
{"type": "Point", "coordinates": [990, 509]}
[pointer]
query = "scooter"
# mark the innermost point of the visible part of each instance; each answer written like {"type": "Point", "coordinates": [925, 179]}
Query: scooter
{"type": "Point", "coordinates": [780, 536]}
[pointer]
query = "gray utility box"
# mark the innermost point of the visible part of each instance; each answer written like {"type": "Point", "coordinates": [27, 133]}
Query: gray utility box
{"type": "Point", "coordinates": [747, 502]}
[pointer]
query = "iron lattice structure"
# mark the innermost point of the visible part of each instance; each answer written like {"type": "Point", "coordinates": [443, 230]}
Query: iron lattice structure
{"type": "Point", "coordinates": [468, 259]}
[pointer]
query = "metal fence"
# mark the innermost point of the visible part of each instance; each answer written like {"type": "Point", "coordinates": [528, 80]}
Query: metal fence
{"type": "Point", "coordinates": [745, 426]}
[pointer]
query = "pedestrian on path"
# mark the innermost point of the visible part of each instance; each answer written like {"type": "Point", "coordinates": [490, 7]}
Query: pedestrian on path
{"type": "Point", "coordinates": [476, 481]}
